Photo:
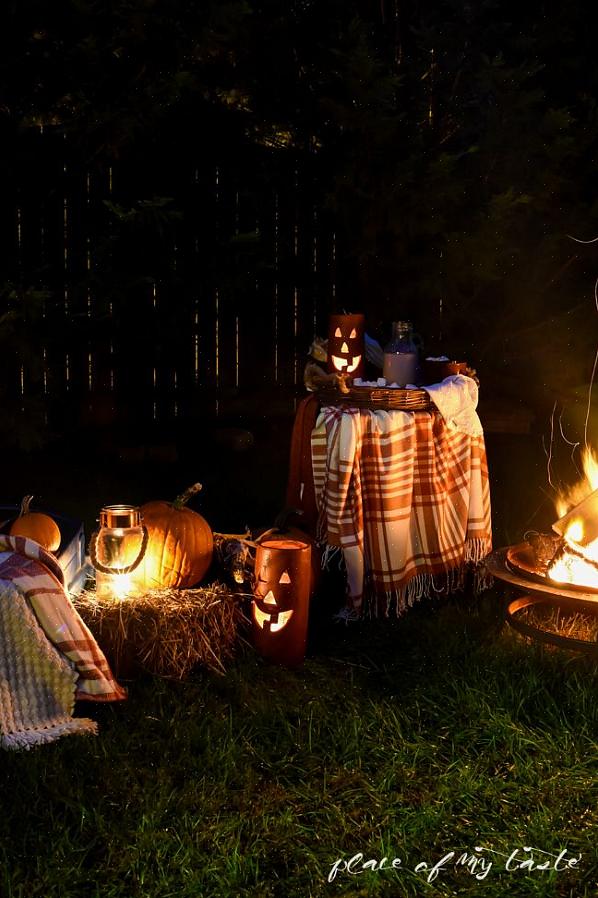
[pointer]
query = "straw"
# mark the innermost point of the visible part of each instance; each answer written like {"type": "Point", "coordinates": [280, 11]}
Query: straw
{"type": "Point", "coordinates": [167, 632]}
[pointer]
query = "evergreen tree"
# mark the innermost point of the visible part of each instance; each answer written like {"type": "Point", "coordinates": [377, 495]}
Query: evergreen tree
{"type": "Point", "coordinates": [452, 144]}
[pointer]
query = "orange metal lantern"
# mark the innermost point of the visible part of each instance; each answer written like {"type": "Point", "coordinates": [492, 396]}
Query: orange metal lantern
{"type": "Point", "coordinates": [346, 344]}
{"type": "Point", "coordinates": [281, 600]}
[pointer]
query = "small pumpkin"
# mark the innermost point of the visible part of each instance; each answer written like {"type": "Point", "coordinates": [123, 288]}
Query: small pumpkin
{"type": "Point", "coordinates": [37, 526]}
{"type": "Point", "coordinates": [179, 545]}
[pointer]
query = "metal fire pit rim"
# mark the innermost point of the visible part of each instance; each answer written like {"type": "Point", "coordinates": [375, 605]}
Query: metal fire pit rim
{"type": "Point", "coordinates": [497, 565]}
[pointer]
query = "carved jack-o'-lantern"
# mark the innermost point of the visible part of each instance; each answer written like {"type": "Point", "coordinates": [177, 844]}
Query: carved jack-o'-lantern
{"type": "Point", "coordinates": [281, 600]}
{"type": "Point", "coordinates": [283, 530]}
{"type": "Point", "coordinates": [346, 344]}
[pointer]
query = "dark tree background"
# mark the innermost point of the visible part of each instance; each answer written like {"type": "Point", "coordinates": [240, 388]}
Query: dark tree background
{"type": "Point", "coordinates": [451, 148]}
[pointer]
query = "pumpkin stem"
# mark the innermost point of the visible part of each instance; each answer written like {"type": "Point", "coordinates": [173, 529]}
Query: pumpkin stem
{"type": "Point", "coordinates": [182, 500]}
{"type": "Point", "coordinates": [25, 503]}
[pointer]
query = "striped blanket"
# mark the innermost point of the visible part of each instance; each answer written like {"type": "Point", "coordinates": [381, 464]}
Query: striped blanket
{"type": "Point", "coordinates": [406, 499]}
{"type": "Point", "coordinates": [48, 657]}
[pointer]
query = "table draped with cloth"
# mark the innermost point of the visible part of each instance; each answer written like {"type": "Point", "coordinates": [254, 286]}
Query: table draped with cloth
{"type": "Point", "coordinates": [404, 496]}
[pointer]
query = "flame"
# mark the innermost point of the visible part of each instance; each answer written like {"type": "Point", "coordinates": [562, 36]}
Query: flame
{"type": "Point", "coordinates": [579, 565]}
{"type": "Point", "coordinates": [578, 492]}
{"type": "Point", "coordinates": [121, 585]}
{"type": "Point", "coordinates": [577, 569]}
{"type": "Point", "coordinates": [115, 586]}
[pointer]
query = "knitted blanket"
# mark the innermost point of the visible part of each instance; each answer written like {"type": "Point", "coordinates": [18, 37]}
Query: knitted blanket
{"type": "Point", "coordinates": [48, 657]}
{"type": "Point", "coordinates": [405, 497]}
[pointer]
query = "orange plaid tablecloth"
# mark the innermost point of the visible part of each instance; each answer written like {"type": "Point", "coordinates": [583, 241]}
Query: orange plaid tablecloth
{"type": "Point", "coordinates": [406, 499]}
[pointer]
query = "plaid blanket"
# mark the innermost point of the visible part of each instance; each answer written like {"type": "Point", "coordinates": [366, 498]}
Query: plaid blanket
{"type": "Point", "coordinates": [406, 499]}
{"type": "Point", "coordinates": [40, 679]}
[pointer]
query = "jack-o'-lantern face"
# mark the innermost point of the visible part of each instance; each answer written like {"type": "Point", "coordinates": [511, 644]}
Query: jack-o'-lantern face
{"type": "Point", "coordinates": [281, 599]}
{"type": "Point", "coordinates": [345, 344]}
{"type": "Point", "coordinates": [271, 613]}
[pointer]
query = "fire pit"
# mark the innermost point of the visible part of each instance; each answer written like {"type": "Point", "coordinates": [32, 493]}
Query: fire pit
{"type": "Point", "coordinates": [535, 589]}
{"type": "Point", "coordinates": [558, 570]}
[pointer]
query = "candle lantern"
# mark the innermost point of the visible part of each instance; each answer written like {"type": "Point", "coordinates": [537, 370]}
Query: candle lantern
{"type": "Point", "coordinates": [346, 344]}
{"type": "Point", "coordinates": [116, 550]}
{"type": "Point", "coordinates": [281, 600]}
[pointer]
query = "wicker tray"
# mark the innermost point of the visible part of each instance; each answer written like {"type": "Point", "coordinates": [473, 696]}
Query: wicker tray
{"type": "Point", "coordinates": [387, 399]}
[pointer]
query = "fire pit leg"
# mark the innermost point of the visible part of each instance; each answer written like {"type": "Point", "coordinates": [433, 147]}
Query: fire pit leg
{"type": "Point", "coordinates": [515, 606]}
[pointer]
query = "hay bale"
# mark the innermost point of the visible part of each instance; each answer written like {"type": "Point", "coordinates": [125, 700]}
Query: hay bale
{"type": "Point", "coordinates": [166, 632]}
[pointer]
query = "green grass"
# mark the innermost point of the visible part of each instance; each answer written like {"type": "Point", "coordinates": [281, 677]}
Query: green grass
{"type": "Point", "coordinates": [441, 732]}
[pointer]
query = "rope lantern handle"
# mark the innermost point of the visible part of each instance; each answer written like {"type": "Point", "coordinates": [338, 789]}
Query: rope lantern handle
{"type": "Point", "coordinates": [115, 570]}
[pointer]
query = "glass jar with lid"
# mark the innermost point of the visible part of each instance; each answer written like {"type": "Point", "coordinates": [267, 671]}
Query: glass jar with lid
{"type": "Point", "coordinates": [116, 550]}
{"type": "Point", "coordinates": [401, 355]}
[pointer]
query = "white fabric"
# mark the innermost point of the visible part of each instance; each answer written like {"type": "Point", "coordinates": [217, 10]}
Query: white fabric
{"type": "Point", "coordinates": [37, 682]}
{"type": "Point", "coordinates": [456, 398]}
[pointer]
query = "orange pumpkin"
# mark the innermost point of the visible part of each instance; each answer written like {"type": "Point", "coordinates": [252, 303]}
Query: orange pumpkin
{"type": "Point", "coordinates": [36, 525]}
{"type": "Point", "coordinates": [179, 546]}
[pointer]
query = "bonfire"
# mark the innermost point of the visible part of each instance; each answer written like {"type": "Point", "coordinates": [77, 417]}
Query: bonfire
{"type": "Point", "coordinates": [576, 560]}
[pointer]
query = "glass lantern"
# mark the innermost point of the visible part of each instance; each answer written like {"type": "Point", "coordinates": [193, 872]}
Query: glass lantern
{"type": "Point", "coordinates": [116, 550]}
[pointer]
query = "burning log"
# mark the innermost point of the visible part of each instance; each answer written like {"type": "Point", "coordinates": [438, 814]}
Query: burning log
{"type": "Point", "coordinates": [545, 547]}
{"type": "Point", "coordinates": [566, 553]}
{"type": "Point", "coordinates": [575, 562]}
{"type": "Point", "coordinates": [583, 520]}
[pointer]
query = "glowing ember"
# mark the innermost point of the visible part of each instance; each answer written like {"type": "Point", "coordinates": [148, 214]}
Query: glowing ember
{"type": "Point", "coordinates": [578, 563]}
